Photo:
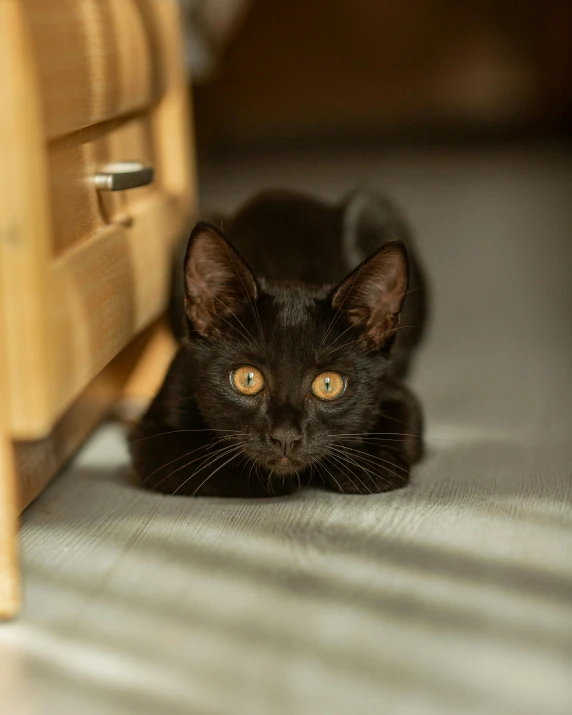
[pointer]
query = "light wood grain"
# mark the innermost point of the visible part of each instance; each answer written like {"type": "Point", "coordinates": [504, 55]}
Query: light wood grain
{"type": "Point", "coordinates": [83, 274]}
{"type": "Point", "coordinates": [95, 60]}
{"type": "Point", "coordinates": [38, 461]}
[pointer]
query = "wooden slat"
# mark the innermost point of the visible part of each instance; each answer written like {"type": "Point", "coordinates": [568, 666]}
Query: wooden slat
{"type": "Point", "coordinates": [96, 60]}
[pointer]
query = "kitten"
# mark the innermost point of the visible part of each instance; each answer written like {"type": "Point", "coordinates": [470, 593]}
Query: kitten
{"type": "Point", "coordinates": [289, 373]}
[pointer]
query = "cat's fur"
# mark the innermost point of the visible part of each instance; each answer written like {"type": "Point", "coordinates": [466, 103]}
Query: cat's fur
{"type": "Point", "coordinates": [273, 295]}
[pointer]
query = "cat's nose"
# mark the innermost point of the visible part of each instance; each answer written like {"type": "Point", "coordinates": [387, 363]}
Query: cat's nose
{"type": "Point", "coordinates": [285, 438]}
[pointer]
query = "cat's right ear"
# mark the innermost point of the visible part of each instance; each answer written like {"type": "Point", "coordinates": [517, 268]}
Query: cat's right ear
{"type": "Point", "coordinates": [218, 283]}
{"type": "Point", "coordinates": [371, 297]}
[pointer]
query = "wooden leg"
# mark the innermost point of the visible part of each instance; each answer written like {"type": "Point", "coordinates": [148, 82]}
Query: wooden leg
{"type": "Point", "coordinates": [9, 510]}
{"type": "Point", "coordinates": [9, 506]}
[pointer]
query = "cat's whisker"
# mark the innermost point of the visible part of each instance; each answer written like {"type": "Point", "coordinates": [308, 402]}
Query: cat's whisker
{"type": "Point", "coordinates": [332, 476]}
{"type": "Point", "coordinates": [205, 460]}
{"type": "Point", "coordinates": [373, 458]}
{"type": "Point", "coordinates": [259, 475]}
{"type": "Point", "coordinates": [234, 456]}
{"type": "Point", "coordinates": [361, 440]}
{"type": "Point", "coordinates": [365, 435]}
{"type": "Point", "coordinates": [269, 485]}
{"type": "Point", "coordinates": [377, 442]}
{"type": "Point", "coordinates": [227, 438]}
{"type": "Point", "coordinates": [186, 454]}
{"type": "Point", "coordinates": [393, 419]}
{"type": "Point", "coordinates": [178, 431]}
{"type": "Point", "coordinates": [343, 462]}
{"type": "Point", "coordinates": [320, 473]}
{"type": "Point", "coordinates": [213, 456]}
{"type": "Point", "coordinates": [381, 465]}
{"type": "Point", "coordinates": [252, 462]}
{"type": "Point", "coordinates": [209, 460]}
{"type": "Point", "coordinates": [350, 459]}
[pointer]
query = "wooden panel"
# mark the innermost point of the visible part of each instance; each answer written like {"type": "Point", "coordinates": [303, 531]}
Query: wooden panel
{"type": "Point", "coordinates": [105, 291]}
{"type": "Point", "coordinates": [99, 294]}
{"type": "Point", "coordinates": [96, 59]}
{"type": "Point", "coordinates": [38, 461]}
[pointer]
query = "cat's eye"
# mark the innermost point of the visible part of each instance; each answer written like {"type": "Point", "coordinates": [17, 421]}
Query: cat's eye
{"type": "Point", "coordinates": [247, 380]}
{"type": "Point", "coordinates": [328, 385]}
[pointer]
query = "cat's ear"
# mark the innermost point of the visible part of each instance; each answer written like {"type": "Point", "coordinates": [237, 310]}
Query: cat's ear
{"type": "Point", "coordinates": [370, 298]}
{"type": "Point", "coordinates": [218, 283]}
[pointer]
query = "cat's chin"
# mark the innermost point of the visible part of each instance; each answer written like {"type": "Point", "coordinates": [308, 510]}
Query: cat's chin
{"type": "Point", "coordinates": [284, 467]}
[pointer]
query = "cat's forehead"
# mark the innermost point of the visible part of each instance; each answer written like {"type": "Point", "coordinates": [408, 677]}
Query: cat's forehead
{"type": "Point", "coordinates": [294, 320]}
{"type": "Point", "coordinates": [293, 305]}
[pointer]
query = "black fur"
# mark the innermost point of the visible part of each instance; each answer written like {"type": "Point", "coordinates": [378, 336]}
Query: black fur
{"type": "Point", "coordinates": [273, 295]}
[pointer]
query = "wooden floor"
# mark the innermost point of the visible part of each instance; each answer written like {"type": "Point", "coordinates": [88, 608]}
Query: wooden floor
{"type": "Point", "coordinates": [453, 596]}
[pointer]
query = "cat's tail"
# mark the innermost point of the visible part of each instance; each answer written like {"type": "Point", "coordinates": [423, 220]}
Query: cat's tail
{"type": "Point", "coordinates": [369, 221]}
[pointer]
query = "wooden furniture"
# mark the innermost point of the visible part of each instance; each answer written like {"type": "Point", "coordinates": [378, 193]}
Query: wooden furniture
{"type": "Point", "coordinates": [83, 270]}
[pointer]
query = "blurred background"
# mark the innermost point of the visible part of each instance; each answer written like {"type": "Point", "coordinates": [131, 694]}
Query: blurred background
{"type": "Point", "coordinates": [305, 70]}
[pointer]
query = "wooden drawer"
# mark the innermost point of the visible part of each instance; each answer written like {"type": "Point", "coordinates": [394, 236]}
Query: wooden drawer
{"type": "Point", "coordinates": [95, 59]}
{"type": "Point", "coordinates": [78, 209]}
{"type": "Point", "coordinates": [81, 271]}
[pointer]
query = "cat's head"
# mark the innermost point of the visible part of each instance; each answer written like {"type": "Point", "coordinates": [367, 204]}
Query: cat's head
{"type": "Point", "coordinates": [288, 368]}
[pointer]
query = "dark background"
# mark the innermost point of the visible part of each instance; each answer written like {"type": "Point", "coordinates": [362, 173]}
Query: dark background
{"type": "Point", "coordinates": [308, 71]}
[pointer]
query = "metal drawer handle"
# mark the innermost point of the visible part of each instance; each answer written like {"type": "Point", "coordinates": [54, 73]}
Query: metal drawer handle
{"type": "Point", "coordinates": [123, 175]}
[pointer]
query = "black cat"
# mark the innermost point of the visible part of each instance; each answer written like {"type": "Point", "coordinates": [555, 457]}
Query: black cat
{"type": "Point", "coordinates": [288, 373]}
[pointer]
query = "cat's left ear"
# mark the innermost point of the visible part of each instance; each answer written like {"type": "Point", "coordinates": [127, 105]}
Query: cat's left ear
{"type": "Point", "coordinates": [371, 297]}
{"type": "Point", "coordinates": [218, 283]}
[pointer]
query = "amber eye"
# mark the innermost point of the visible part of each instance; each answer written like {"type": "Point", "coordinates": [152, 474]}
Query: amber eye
{"type": "Point", "coordinates": [247, 379]}
{"type": "Point", "coordinates": [328, 385]}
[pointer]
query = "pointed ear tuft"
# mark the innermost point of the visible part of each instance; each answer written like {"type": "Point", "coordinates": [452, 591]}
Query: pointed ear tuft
{"type": "Point", "coordinates": [218, 283]}
{"type": "Point", "coordinates": [372, 295]}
